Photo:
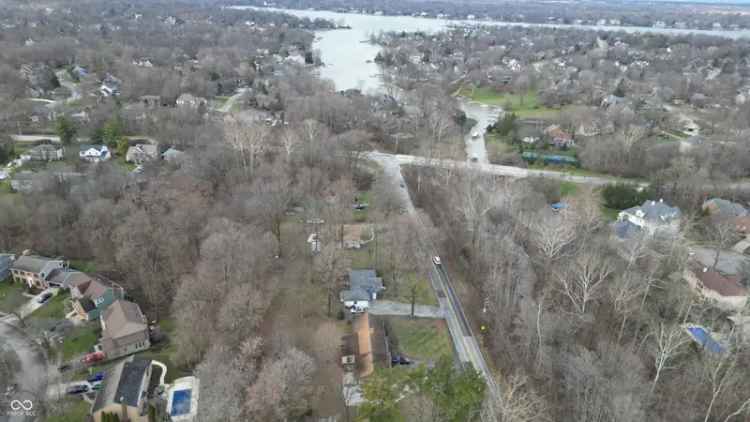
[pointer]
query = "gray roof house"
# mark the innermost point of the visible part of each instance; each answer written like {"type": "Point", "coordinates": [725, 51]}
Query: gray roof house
{"type": "Point", "coordinates": [124, 391]}
{"type": "Point", "coordinates": [34, 271]}
{"type": "Point", "coordinates": [141, 153]}
{"type": "Point", "coordinates": [364, 286]}
{"type": "Point", "coordinates": [6, 260]}
{"type": "Point", "coordinates": [653, 217]}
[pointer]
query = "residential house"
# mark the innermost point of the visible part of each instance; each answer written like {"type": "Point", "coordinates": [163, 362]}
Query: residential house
{"type": "Point", "coordinates": [652, 217]}
{"type": "Point", "coordinates": [66, 278]}
{"type": "Point", "coordinates": [124, 391]}
{"type": "Point", "coordinates": [364, 286]}
{"type": "Point", "coordinates": [559, 137]}
{"type": "Point", "coordinates": [723, 208]}
{"type": "Point", "coordinates": [34, 270]}
{"type": "Point", "coordinates": [94, 153]}
{"type": "Point", "coordinates": [725, 291]}
{"type": "Point", "coordinates": [612, 100]}
{"type": "Point", "coordinates": [6, 260]}
{"type": "Point", "coordinates": [45, 152]}
{"type": "Point", "coordinates": [124, 329]}
{"type": "Point", "coordinates": [141, 153]}
{"type": "Point", "coordinates": [191, 101]}
{"type": "Point", "coordinates": [93, 296]}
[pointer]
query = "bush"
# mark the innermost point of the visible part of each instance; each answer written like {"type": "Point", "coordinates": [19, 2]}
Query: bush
{"type": "Point", "coordinates": [622, 195]}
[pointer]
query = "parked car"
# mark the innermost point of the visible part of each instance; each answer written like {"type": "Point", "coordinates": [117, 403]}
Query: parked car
{"type": "Point", "coordinates": [436, 260]}
{"type": "Point", "coordinates": [400, 360]}
{"type": "Point", "coordinates": [97, 386]}
{"type": "Point", "coordinates": [63, 367]}
{"type": "Point", "coordinates": [44, 297]}
{"type": "Point", "coordinates": [99, 376]}
{"type": "Point", "coordinates": [361, 206]}
{"type": "Point", "coordinates": [93, 357]}
{"type": "Point", "coordinates": [474, 159]}
{"type": "Point", "coordinates": [475, 135]}
{"type": "Point", "coordinates": [77, 389]}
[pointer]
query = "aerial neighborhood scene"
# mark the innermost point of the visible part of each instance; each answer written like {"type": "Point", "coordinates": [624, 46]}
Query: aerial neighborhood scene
{"type": "Point", "coordinates": [374, 211]}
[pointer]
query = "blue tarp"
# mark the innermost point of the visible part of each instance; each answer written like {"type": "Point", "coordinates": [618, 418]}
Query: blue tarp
{"type": "Point", "coordinates": [559, 206]}
{"type": "Point", "coordinates": [702, 337]}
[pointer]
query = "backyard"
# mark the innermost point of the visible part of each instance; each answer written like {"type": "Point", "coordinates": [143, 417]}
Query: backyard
{"type": "Point", "coordinates": [80, 341]}
{"type": "Point", "coordinates": [166, 351]}
{"type": "Point", "coordinates": [69, 410]}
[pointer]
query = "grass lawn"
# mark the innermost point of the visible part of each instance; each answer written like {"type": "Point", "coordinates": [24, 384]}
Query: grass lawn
{"type": "Point", "coordinates": [120, 160]}
{"type": "Point", "coordinates": [524, 105]}
{"type": "Point", "coordinates": [54, 309]}
{"type": "Point", "coordinates": [83, 266]}
{"type": "Point", "coordinates": [166, 352]}
{"type": "Point", "coordinates": [425, 294]}
{"type": "Point", "coordinates": [421, 339]}
{"type": "Point", "coordinates": [568, 188]}
{"type": "Point", "coordinates": [80, 341]}
{"type": "Point", "coordinates": [361, 259]}
{"type": "Point", "coordinates": [71, 410]}
{"type": "Point", "coordinates": [11, 296]}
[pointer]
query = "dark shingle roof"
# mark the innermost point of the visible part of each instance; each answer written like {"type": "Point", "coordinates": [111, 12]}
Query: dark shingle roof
{"type": "Point", "coordinates": [363, 284]}
{"type": "Point", "coordinates": [131, 379]}
{"type": "Point", "coordinates": [656, 211]}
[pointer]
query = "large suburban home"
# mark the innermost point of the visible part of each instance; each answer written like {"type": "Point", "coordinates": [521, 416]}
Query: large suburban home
{"type": "Point", "coordinates": [653, 217]}
{"type": "Point", "coordinates": [141, 153]}
{"type": "Point", "coordinates": [124, 392]}
{"type": "Point", "coordinates": [364, 286]}
{"type": "Point", "coordinates": [124, 329]}
{"type": "Point", "coordinates": [725, 291]}
{"type": "Point", "coordinates": [559, 137]}
{"type": "Point", "coordinates": [94, 153]}
{"type": "Point", "coordinates": [91, 297]}
{"type": "Point", "coordinates": [172, 155]}
{"type": "Point", "coordinates": [44, 152]}
{"type": "Point", "coordinates": [34, 271]}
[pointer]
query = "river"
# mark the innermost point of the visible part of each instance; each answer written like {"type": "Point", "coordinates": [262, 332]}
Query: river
{"type": "Point", "coordinates": [346, 52]}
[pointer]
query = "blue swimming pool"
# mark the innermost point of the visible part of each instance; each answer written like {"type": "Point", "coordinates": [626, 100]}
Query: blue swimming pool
{"type": "Point", "coordinates": [181, 402]}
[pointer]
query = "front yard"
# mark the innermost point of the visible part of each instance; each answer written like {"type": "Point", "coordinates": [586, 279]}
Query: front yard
{"type": "Point", "coordinates": [524, 105]}
{"type": "Point", "coordinates": [69, 410]}
{"type": "Point", "coordinates": [54, 309]}
{"type": "Point", "coordinates": [11, 296]}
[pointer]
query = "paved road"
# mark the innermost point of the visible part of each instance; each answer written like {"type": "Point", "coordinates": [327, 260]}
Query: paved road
{"type": "Point", "coordinates": [464, 342]}
{"type": "Point", "coordinates": [400, 159]}
{"type": "Point", "coordinates": [484, 115]}
{"type": "Point", "coordinates": [386, 307]}
{"type": "Point", "coordinates": [32, 375]}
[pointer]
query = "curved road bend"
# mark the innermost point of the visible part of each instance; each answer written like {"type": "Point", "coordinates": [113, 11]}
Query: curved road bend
{"type": "Point", "coordinates": [32, 376]}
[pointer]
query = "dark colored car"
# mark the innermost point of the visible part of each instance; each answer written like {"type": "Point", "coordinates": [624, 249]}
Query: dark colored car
{"type": "Point", "coordinates": [63, 367]}
{"type": "Point", "coordinates": [400, 360]}
{"type": "Point", "coordinates": [77, 389]}
{"type": "Point", "coordinates": [99, 376]}
{"type": "Point", "coordinates": [44, 297]}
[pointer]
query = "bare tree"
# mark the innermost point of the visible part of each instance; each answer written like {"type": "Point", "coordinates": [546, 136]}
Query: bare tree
{"type": "Point", "coordinates": [669, 342]}
{"type": "Point", "coordinates": [247, 139]}
{"type": "Point", "coordinates": [516, 401]}
{"type": "Point", "coordinates": [585, 277]}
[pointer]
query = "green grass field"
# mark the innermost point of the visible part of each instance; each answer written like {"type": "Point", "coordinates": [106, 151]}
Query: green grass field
{"type": "Point", "coordinates": [524, 105]}
{"type": "Point", "coordinates": [424, 294]}
{"type": "Point", "coordinates": [54, 309]}
{"type": "Point", "coordinates": [11, 296]}
{"type": "Point", "coordinates": [80, 341]}
{"type": "Point", "coordinates": [568, 188]}
{"type": "Point", "coordinates": [70, 410]}
{"type": "Point", "coordinates": [83, 266]}
{"type": "Point", "coordinates": [422, 339]}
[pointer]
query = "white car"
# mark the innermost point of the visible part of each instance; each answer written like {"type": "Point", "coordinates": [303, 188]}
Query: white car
{"type": "Point", "coordinates": [436, 260]}
{"type": "Point", "coordinates": [475, 135]}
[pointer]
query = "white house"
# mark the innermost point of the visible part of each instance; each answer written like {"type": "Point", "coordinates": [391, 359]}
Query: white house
{"type": "Point", "coordinates": [653, 217]}
{"type": "Point", "coordinates": [94, 153]}
{"type": "Point", "coordinates": [364, 286]}
{"type": "Point", "coordinates": [141, 153]}
{"type": "Point", "coordinates": [189, 100]}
